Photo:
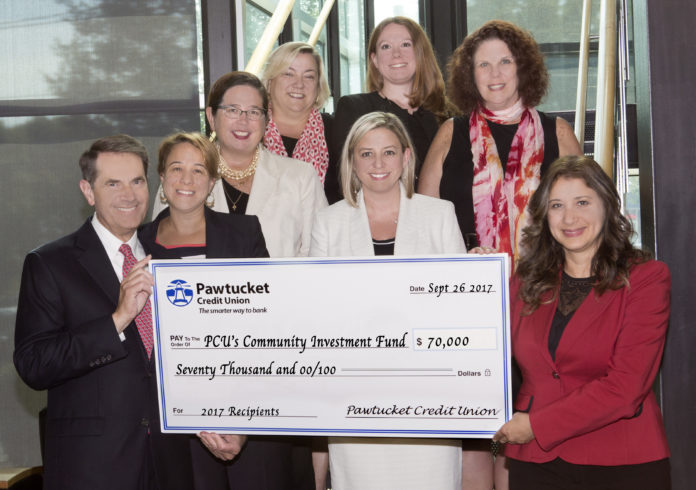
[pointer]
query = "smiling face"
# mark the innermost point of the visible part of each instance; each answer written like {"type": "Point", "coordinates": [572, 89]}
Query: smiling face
{"type": "Point", "coordinates": [186, 181]}
{"type": "Point", "coordinates": [379, 160]}
{"type": "Point", "coordinates": [495, 75]}
{"type": "Point", "coordinates": [395, 57]}
{"type": "Point", "coordinates": [295, 90]}
{"type": "Point", "coordinates": [119, 193]}
{"type": "Point", "coordinates": [576, 218]}
{"type": "Point", "coordinates": [238, 137]}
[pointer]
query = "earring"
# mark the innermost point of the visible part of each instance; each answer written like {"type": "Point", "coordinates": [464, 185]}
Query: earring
{"type": "Point", "coordinates": [212, 136]}
{"type": "Point", "coordinates": [210, 201]}
{"type": "Point", "coordinates": [162, 197]}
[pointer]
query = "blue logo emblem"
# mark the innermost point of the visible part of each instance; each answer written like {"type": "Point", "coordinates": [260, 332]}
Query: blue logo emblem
{"type": "Point", "coordinates": [179, 292]}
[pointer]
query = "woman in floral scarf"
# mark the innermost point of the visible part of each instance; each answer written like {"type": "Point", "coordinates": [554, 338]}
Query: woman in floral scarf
{"type": "Point", "coordinates": [489, 162]}
{"type": "Point", "coordinates": [295, 79]}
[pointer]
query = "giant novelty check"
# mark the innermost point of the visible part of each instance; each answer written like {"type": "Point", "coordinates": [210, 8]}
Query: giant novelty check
{"type": "Point", "coordinates": [400, 346]}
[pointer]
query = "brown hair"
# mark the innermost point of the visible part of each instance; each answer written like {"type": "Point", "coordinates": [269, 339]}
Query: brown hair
{"type": "Point", "coordinates": [533, 79]}
{"type": "Point", "coordinates": [198, 141]}
{"type": "Point", "coordinates": [350, 185]}
{"type": "Point", "coordinates": [234, 79]}
{"type": "Point", "coordinates": [428, 84]}
{"type": "Point", "coordinates": [118, 143]}
{"type": "Point", "coordinates": [283, 56]}
{"type": "Point", "coordinates": [542, 258]}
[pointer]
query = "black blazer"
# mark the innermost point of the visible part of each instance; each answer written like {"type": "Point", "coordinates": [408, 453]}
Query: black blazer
{"type": "Point", "coordinates": [100, 390]}
{"type": "Point", "coordinates": [227, 236]}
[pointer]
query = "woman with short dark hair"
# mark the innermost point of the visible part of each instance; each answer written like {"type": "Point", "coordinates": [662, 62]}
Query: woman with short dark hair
{"type": "Point", "coordinates": [284, 193]}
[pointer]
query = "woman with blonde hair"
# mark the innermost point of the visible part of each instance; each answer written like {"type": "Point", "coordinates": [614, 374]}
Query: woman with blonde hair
{"type": "Point", "coordinates": [381, 215]}
{"type": "Point", "coordinates": [296, 82]}
{"type": "Point", "coordinates": [403, 78]}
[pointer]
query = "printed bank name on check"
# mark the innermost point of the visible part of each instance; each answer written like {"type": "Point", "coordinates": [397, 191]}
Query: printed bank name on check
{"type": "Point", "coordinates": [401, 346]}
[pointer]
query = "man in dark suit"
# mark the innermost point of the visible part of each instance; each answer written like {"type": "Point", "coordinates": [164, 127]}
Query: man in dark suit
{"type": "Point", "coordinates": [77, 334]}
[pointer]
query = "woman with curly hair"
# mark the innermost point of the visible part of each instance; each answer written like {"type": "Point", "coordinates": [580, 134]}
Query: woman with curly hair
{"type": "Point", "coordinates": [589, 316]}
{"type": "Point", "coordinates": [489, 162]}
{"type": "Point", "coordinates": [404, 79]}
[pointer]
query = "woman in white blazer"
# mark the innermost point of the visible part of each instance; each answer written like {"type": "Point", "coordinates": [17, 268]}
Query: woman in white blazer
{"type": "Point", "coordinates": [282, 192]}
{"type": "Point", "coordinates": [381, 215]}
{"type": "Point", "coordinates": [285, 195]}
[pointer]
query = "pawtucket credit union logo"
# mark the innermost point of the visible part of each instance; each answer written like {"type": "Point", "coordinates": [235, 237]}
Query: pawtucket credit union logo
{"type": "Point", "coordinates": [179, 292]}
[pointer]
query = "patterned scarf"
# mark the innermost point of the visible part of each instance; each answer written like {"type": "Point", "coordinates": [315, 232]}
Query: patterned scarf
{"type": "Point", "coordinates": [310, 148]}
{"type": "Point", "coordinates": [500, 201]}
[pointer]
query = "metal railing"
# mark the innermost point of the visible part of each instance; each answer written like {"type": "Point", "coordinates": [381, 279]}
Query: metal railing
{"type": "Point", "coordinates": [606, 82]}
{"type": "Point", "coordinates": [624, 77]}
{"type": "Point", "coordinates": [275, 26]}
{"type": "Point", "coordinates": [604, 137]}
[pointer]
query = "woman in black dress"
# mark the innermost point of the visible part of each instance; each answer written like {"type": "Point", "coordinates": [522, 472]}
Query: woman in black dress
{"type": "Point", "coordinates": [403, 78]}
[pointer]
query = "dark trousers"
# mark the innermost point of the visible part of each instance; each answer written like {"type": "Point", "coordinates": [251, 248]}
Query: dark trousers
{"type": "Point", "coordinates": [560, 475]}
{"type": "Point", "coordinates": [265, 463]}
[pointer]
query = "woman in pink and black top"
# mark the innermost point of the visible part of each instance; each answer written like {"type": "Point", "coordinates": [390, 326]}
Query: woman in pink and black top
{"type": "Point", "coordinates": [296, 83]}
{"type": "Point", "coordinates": [490, 161]}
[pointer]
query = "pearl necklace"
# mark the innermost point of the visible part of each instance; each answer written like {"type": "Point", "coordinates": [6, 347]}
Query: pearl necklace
{"type": "Point", "coordinates": [238, 175]}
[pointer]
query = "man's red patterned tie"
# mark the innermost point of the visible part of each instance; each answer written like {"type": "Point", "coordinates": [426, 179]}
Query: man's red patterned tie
{"type": "Point", "coordinates": [144, 318]}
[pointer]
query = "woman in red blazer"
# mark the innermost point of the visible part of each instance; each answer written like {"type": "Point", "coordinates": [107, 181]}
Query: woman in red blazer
{"type": "Point", "coordinates": [589, 317]}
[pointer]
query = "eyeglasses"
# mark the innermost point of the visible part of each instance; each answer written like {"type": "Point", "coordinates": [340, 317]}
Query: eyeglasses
{"type": "Point", "coordinates": [234, 112]}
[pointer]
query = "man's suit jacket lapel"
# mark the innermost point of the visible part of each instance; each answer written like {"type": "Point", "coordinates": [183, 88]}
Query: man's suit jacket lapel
{"type": "Point", "coordinates": [91, 255]}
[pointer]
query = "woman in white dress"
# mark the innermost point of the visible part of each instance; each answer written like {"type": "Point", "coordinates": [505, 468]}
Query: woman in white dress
{"type": "Point", "coordinates": [381, 215]}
